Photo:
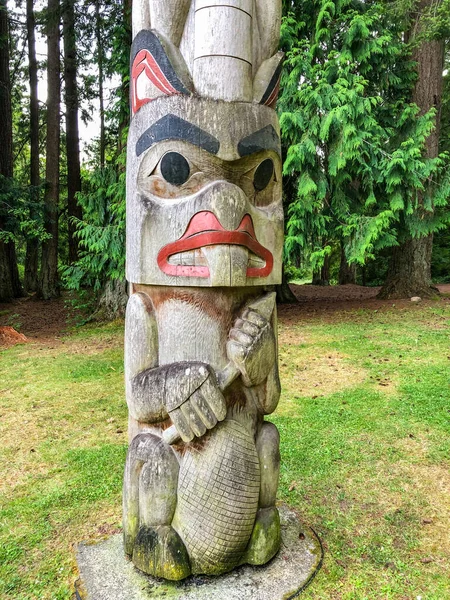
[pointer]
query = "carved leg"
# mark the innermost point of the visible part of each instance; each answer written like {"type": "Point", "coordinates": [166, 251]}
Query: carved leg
{"type": "Point", "coordinates": [266, 537]}
{"type": "Point", "coordinates": [149, 501]}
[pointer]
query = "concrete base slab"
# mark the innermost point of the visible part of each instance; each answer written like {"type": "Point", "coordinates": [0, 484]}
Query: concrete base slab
{"type": "Point", "coordinates": [105, 573]}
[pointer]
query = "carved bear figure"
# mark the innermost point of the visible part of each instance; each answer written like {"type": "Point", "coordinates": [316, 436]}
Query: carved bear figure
{"type": "Point", "coordinates": [204, 244]}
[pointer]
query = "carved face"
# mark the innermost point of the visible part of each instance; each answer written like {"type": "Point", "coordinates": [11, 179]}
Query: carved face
{"type": "Point", "coordinates": [204, 194]}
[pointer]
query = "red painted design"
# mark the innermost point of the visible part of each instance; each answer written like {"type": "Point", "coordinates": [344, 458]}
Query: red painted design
{"type": "Point", "coordinates": [145, 62]}
{"type": "Point", "coordinates": [272, 99]}
{"type": "Point", "coordinates": [204, 229]}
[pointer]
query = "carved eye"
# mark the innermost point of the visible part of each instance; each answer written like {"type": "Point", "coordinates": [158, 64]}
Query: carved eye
{"type": "Point", "coordinates": [263, 174]}
{"type": "Point", "coordinates": [175, 168]}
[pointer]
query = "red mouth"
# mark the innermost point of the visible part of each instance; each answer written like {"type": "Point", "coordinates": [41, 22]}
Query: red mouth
{"type": "Point", "coordinates": [204, 229]}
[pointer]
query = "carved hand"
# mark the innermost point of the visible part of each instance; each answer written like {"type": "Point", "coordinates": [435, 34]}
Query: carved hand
{"type": "Point", "coordinates": [194, 401]}
{"type": "Point", "coordinates": [251, 347]}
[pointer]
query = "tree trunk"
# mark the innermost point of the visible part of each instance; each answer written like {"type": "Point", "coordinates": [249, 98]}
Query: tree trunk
{"type": "Point", "coordinates": [72, 135]}
{"type": "Point", "coordinates": [48, 283]}
{"type": "Point", "coordinates": [98, 35]}
{"type": "Point", "coordinates": [284, 293]}
{"type": "Point", "coordinates": [13, 269]}
{"type": "Point", "coordinates": [322, 276]}
{"type": "Point", "coordinates": [113, 301]}
{"type": "Point", "coordinates": [412, 277]}
{"type": "Point", "coordinates": [32, 252]}
{"type": "Point", "coordinates": [410, 270]}
{"type": "Point", "coordinates": [6, 288]}
{"type": "Point", "coordinates": [347, 272]}
{"type": "Point", "coordinates": [9, 277]}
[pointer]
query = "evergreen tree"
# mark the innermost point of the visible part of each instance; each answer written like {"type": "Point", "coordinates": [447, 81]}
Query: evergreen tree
{"type": "Point", "coordinates": [356, 144]}
{"type": "Point", "coordinates": [10, 285]}
{"type": "Point", "coordinates": [6, 288]}
{"type": "Point", "coordinates": [32, 251]}
{"type": "Point", "coordinates": [49, 283]}
{"type": "Point", "coordinates": [410, 266]}
{"type": "Point", "coordinates": [72, 134]}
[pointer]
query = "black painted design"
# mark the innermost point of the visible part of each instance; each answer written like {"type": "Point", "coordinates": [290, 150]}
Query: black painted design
{"type": "Point", "coordinates": [171, 127]}
{"type": "Point", "coordinates": [273, 83]}
{"type": "Point", "coordinates": [264, 139]}
{"type": "Point", "coordinates": [148, 40]}
{"type": "Point", "coordinates": [175, 168]}
{"type": "Point", "coordinates": [263, 174]}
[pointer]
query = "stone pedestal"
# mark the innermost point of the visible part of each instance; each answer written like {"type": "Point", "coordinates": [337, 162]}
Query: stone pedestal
{"type": "Point", "coordinates": [106, 575]}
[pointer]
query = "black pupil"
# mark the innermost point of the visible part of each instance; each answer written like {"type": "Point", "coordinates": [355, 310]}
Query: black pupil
{"type": "Point", "coordinates": [175, 168]}
{"type": "Point", "coordinates": [263, 174]}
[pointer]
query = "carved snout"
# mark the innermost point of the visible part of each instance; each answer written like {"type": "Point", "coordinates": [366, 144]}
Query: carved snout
{"type": "Point", "coordinates": [226, 200]}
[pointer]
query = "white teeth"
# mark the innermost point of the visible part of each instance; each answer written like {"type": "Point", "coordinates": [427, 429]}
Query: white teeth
{"type": "Point", "coordinates": [175, 259]}
{"type": "Point", "coordinates": [188, 259]}
{"type": "Point", "coordinates": [255, 261]}
{"type": "Point", "coordinates": [227, 263]}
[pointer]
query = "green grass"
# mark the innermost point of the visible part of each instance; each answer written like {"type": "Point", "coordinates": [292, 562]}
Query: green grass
{"type": "Point", "coordinates": [368, 465]}
{"type": "Point", "coordinates": [364, 420]}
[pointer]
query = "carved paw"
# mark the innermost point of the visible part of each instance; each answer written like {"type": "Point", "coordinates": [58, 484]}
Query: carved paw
{"type": "Point", "coordinates": [251, 347]}
{"type": "Point", "coordinates": [266, 537]}
{"type": "Point", "coordinates": [204, 407]}
{"type": "Point", "coordinates": [159, 551]}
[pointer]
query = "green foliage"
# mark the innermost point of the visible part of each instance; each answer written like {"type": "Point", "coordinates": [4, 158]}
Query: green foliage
{"type": "Point", "coordinates": [101, 232]}
{"type": "Point", "coordinates": [114, 24]}
{"type": "Point", "coordinates": [355, 144]}
{"type": "Point", "coordinates": [441, 257]}
{"type": "Point", "coordinates": [293, 273]}
{"type": "Point", "coordinates": [21, 211]}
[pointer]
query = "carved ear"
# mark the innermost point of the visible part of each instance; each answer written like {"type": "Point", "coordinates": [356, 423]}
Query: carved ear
{"type": "Point", "coordinates": [266, 84]}
{"type": "Point", "coordinates": [157, 69]}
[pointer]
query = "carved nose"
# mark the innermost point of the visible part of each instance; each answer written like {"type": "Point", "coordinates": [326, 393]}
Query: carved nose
{"type": "Point", "coordinates": [227, 201]}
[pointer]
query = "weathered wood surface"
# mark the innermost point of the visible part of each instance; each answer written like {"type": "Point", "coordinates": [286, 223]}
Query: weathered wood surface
{"type": "Point", "coordinates": [220, 180]}
{"type": "Point", "coordinates": [204, 245]}
{"type": "Point", "coordinates": [223, 44]}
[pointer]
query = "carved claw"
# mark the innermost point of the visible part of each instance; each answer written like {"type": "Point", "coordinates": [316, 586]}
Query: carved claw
{"type": "Point", "coordinates": [201, 411]}
{"type": "Point", "coordinates": [252, 347]}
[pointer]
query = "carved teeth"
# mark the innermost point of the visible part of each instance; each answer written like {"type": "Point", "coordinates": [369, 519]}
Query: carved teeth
{"type": "Point", "coordinates": [199, 257]}
{"type": "Point", "coordinates": [255, 261]}
{"type": "Point", "coordinates": [188, 258]}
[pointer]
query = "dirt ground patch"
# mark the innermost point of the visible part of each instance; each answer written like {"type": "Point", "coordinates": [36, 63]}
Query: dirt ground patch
{"type": "Point", "coordinates": [328, 302]}
{"type": "Point", "coordinates": [45, 321]}
{"type": "Point", "coordinates": [39, 320]}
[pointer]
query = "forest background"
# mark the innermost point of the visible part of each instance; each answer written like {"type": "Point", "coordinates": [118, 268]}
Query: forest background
{"type": "Point", "coordinates": [365, 117]}
{"type": "Point", "coordinates": [363, 416]}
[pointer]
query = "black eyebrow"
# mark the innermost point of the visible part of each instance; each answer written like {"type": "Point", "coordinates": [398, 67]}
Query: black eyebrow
{"type": "Point", "coordinates": [264, 139]}
{"type": "Point", "coordinates": [171, 127]}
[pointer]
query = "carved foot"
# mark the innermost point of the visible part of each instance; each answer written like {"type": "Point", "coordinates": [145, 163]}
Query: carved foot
{"type": "Point", "coordinates": [159, 551]}
{"type": "Point", "coordinates": [266, 537]}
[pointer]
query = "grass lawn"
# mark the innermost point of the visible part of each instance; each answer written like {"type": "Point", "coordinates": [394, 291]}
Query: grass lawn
{"type": "Point", "coordinates": [364, 422]}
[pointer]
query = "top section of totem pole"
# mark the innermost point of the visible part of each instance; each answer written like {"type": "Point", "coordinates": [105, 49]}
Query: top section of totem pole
{"type": "Point", "coordinates": [204, 204]}
{"type": "Point", "coordinates": [219, 49]}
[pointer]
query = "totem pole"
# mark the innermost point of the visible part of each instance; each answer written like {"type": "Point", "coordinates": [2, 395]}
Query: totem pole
{"type": "Point", "coordinates": [204, 245]}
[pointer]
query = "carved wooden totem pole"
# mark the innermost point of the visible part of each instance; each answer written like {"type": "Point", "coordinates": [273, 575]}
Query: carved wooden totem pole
{"type": "Point", "coordinates": [204, 244]}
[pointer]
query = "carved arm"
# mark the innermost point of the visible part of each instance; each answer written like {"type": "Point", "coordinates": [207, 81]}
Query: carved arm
{"type": "Point", "coordinates": [185, 391]}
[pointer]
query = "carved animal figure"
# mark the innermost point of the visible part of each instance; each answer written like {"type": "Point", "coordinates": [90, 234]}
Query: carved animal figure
{"type": "Point", "coordinates": [204, 243]}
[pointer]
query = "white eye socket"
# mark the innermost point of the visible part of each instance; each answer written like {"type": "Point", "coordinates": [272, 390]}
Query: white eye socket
{"type": "Point", "coordinates": [263, 174]}
{"type": "Point", "coordinates": [174, 168]}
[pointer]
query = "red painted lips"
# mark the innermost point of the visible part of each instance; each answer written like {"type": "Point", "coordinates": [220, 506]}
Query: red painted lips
{"type": "Point", "coordinates": [204, 229]}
